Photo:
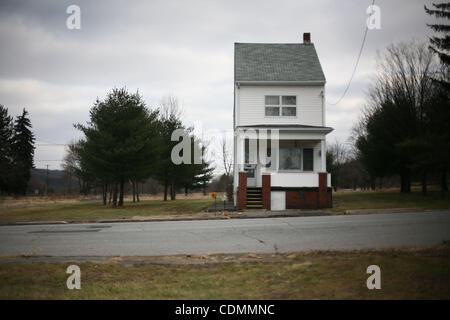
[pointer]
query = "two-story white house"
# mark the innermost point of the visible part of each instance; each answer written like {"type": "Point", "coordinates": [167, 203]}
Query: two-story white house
{"type": "Point", "coordinates": [279, 127]}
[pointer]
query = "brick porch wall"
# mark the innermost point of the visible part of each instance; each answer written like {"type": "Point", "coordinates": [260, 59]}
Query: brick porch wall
{"type": "Point", "coordinates": [242, 191]}
{"type": "Point", "coordinates": [301, 199]}
{"type": "Point", "coordinates": [266, 191]}
{"type": "Point", "coordinates": [310, 198]}
{"type": "Point", "coordinates": [323, 197]}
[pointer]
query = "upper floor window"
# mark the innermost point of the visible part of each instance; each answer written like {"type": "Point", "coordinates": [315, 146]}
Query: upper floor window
{"type": "Point", "coordinates": [281, 106]}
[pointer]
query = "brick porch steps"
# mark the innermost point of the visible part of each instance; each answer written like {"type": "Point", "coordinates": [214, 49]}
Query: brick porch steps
{"type": "Point", "coordinates": [254, 198]}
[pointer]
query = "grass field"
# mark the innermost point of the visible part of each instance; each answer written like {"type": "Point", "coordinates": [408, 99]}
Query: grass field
{"type": "Point", "coordinates": [420, 273]}
{"type": "Point", "coordinates": [389, 199]}
{"type": "Point", "coordinates": [37, 209]}
{"type": "Point", "coordinates": [76, 210]}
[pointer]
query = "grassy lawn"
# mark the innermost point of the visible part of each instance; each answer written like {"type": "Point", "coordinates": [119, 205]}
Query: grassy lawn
{"type": "Point", "coordinates": [389, 199]}
{"type": "Point", "coordinates": [34, 210]}
{"type": "Point", "coordinates": [405, 274]}
{"type": "Point", "coordinates": [91, 210]}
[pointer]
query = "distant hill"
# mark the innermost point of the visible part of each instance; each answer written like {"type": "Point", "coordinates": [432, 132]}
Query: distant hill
{"type": "Point", "coordinates": [57, 181]}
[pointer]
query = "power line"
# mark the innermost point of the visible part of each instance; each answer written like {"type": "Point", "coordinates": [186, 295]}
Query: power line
{"type": "Point", "coordinates": [356, 65]}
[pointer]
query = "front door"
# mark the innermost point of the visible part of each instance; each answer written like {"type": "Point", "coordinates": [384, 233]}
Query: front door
{"type": "Point", "coordinates": [250, 163]}
{"type": "Point", "coordinates": [251, 174]}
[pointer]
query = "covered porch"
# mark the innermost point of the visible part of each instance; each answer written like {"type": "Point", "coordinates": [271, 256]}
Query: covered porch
{"type": "Point", "coordinates": [286, 160]}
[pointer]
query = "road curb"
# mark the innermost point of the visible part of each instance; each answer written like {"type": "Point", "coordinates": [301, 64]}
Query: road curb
{"type": "Point", "coordinates": [32, 223]}
{"type": "Point", "coordinates": [393, 210]}
{"type": "Point", "coordinates": [243, 215]}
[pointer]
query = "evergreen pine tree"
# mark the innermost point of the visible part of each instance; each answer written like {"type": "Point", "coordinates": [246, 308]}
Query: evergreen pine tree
{"type": "Point", "coordinates": [439, 111]}
{"type": "Point", "coordinates": [169, 175]}
{"type": "Point", "coordinates": [196, 176]}
{"type": "Point", "coordinates": [22, 153]}
{"type": "Point", "coordinates": [441, 45]}
{"type": "Point", "coordinates": [120, 143]}
{"type": "Point", "coordinates": [203, 173]}
{"type": "Point", "coordinates": [6, 132]}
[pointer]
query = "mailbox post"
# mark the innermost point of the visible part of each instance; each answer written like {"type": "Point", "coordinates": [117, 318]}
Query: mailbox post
{"type": "Point", "coordinates": [224, 199]}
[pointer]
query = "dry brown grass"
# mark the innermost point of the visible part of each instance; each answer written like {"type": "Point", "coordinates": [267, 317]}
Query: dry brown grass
{"type": "Point", "coordinates": [387, 199]}
{"type": "Point", "coordinates": [415, 273]}
{"type": "Point", "coordinates": [25, 210]}
{"type": "Point", "coordinates": [12, 202]}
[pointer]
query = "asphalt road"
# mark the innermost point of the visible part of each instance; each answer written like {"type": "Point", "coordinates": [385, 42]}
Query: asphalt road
{"type": "Point", "coordinates": [227, 236]}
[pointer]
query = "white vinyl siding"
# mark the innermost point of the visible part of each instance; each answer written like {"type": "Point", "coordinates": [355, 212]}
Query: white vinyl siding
{"type": "Point", "coordinates": [251, 107]}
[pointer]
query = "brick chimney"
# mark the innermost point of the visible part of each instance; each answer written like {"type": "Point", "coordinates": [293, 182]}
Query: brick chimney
{"type": "Point", "coordinates": [307, 38]}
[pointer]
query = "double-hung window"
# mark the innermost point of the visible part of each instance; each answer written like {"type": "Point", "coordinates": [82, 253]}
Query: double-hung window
{"type": "Point", "coordinates": [281, 106]}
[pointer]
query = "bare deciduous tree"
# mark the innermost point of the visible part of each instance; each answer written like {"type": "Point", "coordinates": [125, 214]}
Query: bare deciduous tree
{"type": "Point", "coordinates": [227, 161]}
{"type": "Point", "coordinates": [337, 155]}
{"type": "Point", "coordinates": [400, 130]}
{"type": "Point", "coordinates": [171, 108]}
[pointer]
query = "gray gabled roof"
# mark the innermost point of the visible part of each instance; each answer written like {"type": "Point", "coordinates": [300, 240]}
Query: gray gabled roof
{"type": "Point", "coordinates": [296, 62]}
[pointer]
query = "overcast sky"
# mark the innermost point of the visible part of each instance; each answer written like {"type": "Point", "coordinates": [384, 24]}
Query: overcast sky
{"type": "Point", "coordinates": [182, 48]}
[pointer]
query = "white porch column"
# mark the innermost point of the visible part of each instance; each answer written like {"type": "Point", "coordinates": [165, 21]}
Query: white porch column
{"type": "Point", "coordinates": [241, 153]}
{"type": "Point", "coordinates": [235, 162]}
{"type": "Point", "coordinates": [323, 155]}
{"type": "Point", "coordinates": [238, 157]}
{"type": "Point", "coordinates": [238, 161]}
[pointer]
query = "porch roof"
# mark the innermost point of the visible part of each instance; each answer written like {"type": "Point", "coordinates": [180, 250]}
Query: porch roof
{"type": "Point", "coordinates": [296, 127]}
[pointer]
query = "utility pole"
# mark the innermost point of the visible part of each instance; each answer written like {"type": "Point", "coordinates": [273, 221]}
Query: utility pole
{"type": "Point", "coordinates": [46, 183]}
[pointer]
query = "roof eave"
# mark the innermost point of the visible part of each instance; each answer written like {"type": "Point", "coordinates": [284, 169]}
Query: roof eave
{"type": "Point", "coordinates": [281, 83]}
{"type": "Point", "coordinates": [325, 130]}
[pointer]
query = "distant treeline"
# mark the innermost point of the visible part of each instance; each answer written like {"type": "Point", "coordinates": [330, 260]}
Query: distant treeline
{"type": "Point", "coordinates": [61, 183]}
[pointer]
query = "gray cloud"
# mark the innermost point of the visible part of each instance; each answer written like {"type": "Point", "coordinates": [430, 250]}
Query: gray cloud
{"type": "Point", "coordinates": [179, 47]}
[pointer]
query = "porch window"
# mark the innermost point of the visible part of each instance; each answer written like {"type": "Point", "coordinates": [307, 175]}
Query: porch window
{"type": "Point", "coordinates": [290, 155]}
{"type": "Point", "coordinates": [281, 105]}
{"type": "Point", "coordinates": [294, 156]}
